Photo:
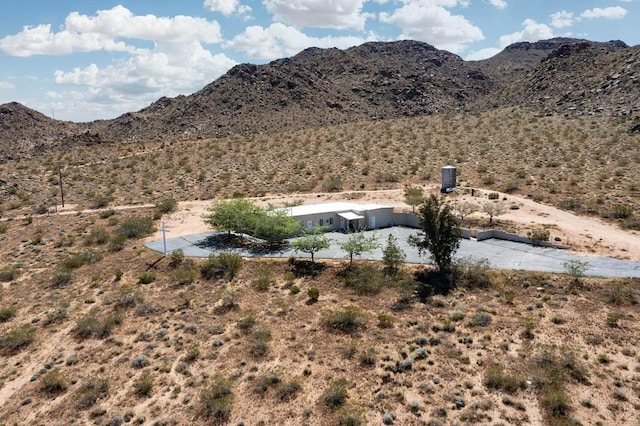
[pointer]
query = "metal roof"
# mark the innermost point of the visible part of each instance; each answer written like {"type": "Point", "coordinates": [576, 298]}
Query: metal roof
{"type": "Point", "coordinates": [350, 216]}
{"type": "Point", "coordinates": [337, 207]}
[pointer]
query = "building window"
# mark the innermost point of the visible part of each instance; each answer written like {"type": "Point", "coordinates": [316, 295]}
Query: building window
{"type": "Point", "coordinates": [321, 222]}
{"type": "Point", "coordinates": [330, 221]}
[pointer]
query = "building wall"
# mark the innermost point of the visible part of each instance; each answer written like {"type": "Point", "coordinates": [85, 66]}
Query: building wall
{"type": "Point", "coordinates": [331, 220]}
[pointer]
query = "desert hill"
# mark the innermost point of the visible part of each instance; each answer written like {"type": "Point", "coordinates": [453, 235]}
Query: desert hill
{"type": "Point", "coordinates": [380, 80]}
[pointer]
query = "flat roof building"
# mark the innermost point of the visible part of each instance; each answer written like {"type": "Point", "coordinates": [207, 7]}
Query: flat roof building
{"type": "Point", "coordinates": [343, 216]}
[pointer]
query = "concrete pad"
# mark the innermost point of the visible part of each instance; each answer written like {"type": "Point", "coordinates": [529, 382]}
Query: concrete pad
{"type": "Point", "coordinates": [500, 254]}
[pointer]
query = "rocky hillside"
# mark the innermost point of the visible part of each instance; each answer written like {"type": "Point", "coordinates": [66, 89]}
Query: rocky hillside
{"type": "Point", "coordinates": [378, 80]}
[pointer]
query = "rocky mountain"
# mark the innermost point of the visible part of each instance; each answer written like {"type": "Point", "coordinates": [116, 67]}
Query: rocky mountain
{"type": "Point", "coordinates": [378, 80]}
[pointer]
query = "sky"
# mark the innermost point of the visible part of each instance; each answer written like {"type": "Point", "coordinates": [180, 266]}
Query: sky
{"type": "Point", "coordinates": [82, 60]}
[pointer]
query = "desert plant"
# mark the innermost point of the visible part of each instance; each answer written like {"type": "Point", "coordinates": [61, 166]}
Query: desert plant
{"type": "Point", "coordinates": [143, 385]}
{"type": "Point", "coordinates": [7, 312]}
{"type": "Point", "coordinates": [348, 319]}
{"type": "Point", "coordinates": [224, 264]}
{"type": "Point", "coordinates": [9, 273]}
{"type": "Point", "coordinates": [413, 196]}
{"type": "Point", "coordinates": [576, 268]}
{"type": "Point", "coordinates": [146, 277]}
{"type": "Point", "coordinates": [336, 394]}
{"type": "Point", "coordinates": [264, 278]}
{"type": "Point", "coordinates": [392, 255]}
{"type": "Point", "coordinates": [385, 321]}
{"type": "Point", "coordinates": [364, 279]}
{"type": "Point", "coordinates": [61, 278]}
{"type": "Point", "coordinates": [136, 227]}
{"type": "Point", "coordinates": [216, 400]}
{"type": "Point", "coordinates": [90, 325]}
{"type": "Point", "coordinates": [538, 236]}
{"type": "Point", "coordinates": [53, 382]}
{"type": "Point", "coordinates": [496, 378]}
{"type": "Point", "coordinates": [472, 272]}
{"type": "Point", "coordinates": [76, 260]}
{"type": "Point", "coordinates": [91, 390]}
{"type": "Point", "coordinates": [17, 338]}
{"type": "Point", "coordinates": [166, 205]}
{"type": "Point", "coordinates": [97, 236]}
{"type": "Point", "coordinates": [358, 243]}
{"type": "Point", "coordinates": [492, 209]}
{"type": "Point", "coordinates": [312, 242]}
{"type": "Point", "coordinates": [313, 293]}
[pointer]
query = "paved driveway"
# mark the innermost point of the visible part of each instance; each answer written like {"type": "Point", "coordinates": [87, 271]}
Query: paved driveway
{"type": "Point", "coordinates": [501, 254]}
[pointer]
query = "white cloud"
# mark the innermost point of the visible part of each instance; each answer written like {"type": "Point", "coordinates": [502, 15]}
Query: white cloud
{"type": "Point", "coordinates": [226, 7]}
{"type": "Point", "coordinates": [615, 12]}
{"type": "Point", "coordinates": [532, 31]}
{"type": "Point", "coordinates": [429, 21]}
{"type": "Point", "coordinates": [482, 54]}
{"type": "Point", "coordinates": [500, 4]}
{"type": "Point", "coordinates": [562, 19]}
{"type": "Point", "coordinates": [280, 40]}
{"type": "Point", "coordinates": [341, 14]}
{"type": "Point", "coordinates": [6, 85]}
{"type": "Point", "coordinates": [82, 33]}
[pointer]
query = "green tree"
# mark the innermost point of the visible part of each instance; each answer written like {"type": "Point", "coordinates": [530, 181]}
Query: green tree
{"type": "Point", "coordinates": [236, 215]}
{"type": "Point", "coordinates": [274, 226]}
{"type": "Point", "coordinates": [440, 234]}
{"type": "Point", "coordinates": [413, 196]}
{"type": "Point", "coordinates": [392, 255]}
{"type": "Point", "coordinates": [359, 243]}
{"type": "Point", "coordinates": [576, 269]}
{"type": "Point", "coordinates": [312, 242]}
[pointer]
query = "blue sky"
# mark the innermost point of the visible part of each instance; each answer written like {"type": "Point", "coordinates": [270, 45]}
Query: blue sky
{"type": "Point", "coordinates": [84, 60]}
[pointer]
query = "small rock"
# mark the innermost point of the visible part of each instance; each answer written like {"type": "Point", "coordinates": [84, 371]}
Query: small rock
{"type": "Point", "coordinates": [436, 380]}
{"type": "Point", "coordinates": [459, 402]}
{"type": "Point", "coordinates": [26, 401]}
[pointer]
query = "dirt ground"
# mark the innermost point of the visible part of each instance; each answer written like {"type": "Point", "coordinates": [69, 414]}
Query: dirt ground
{"type": "Point", "coordinates": [583, 234]}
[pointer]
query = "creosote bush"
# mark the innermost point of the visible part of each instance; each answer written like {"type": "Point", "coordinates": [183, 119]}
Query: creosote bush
{"type": "Point", "coordinates": [136, 227]}
{"type": "Point", "coordinates": [143, 385]}
{"type": "Point", "coordinates": [216, 400]}
{"type": "Point", "coordinates": [9, 273]}
{"type": "Point", "coordinates": [496, 378]}
{"type": "Point", "coordinates": [17, 338]}
{"type": "Point", "coordinates": [90, 325]}
{"type": "Point", "coordinates": [336, 394]}
{"type": "Point", "coordinates": [224, 264]}
{"type": "Point", "coordinates": [91, 390]}
{"type": "Point", "coordinates": [53, 382]}
{"type": "Point", "coordinates": [348, 319]}
{"type": "Point", "coordinates": [6, 313]}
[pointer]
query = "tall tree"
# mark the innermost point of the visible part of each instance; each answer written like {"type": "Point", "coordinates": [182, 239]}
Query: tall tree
{"type": "Point", "coordinates": [413, 196]}
{"type": "Point", "coordinates": [358, 244]}
{"type": "Point", "coordinates": [440, 234]}
{"type": "Point", "coordinates": [312, 242]}
{"type": "Point", "coordinates": [492, 209]}
{"type": "Point", "coordinates": [237, 215]}
{"type": "Point", "coordinates": [275, 225]}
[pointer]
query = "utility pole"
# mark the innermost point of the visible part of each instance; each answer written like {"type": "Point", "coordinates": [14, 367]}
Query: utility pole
{"type": "Point", "coordinates": [61, 191]}
{"type": "Point", "coordinates": [164, 239]}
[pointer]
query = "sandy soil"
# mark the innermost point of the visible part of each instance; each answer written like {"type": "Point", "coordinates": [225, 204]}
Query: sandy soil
{"type": "Point", "coordinates": [584, 235]}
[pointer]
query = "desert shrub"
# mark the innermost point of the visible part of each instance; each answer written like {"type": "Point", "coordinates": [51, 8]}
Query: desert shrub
{"type": "Point", "coordinates": [6, 313]}
{"type": "Point", "coordinates": [287, 390]}
{"type": "Point", "coordinates": [348, 319]}
{"type": "Point", "coordinates": [97, 236]}
{"type": "Point", "coordinates": [90, 325]}
{"type": "Point", "coordinates": [493, 195]}
{"type": "Point", "coordinates": [216, 400]}
{"type": "Point", "coordinates": [91, 391]}
{"type": "Point", "coordinates": [348, 416]}
{"type": "Point", "coordinates": [496, 378]}
{"type": "Point", "coordinates": [136, 227]}
{"type": "Point", "coordinates": [76, 260]}
{"type": "Point", "coordinates": [3, 228]}
{"type": "Point", "coordinates": [385, 321]}
{"type": "Point", "coordinates": [264, 278]}
{"type": "Point", "coordinates": [336, 394]}
{"type": "Point", "coordinates": [9, 273]}
{"type": "Point", "coordinates": [228, 301]}
{"type": "Point", "coordinates": [314, 294]}
{"type": "Point", "coordinates": [480, 319]}
{"type": "Point", "coordinates": [266, 381]}
{"type": "Point", "coordinates": [61, 278]}
{"type": "Point", "coordinates": [294, 289]}
{"type": "Point", "coordinates": [143, 385]}
{"type": "Point", "coordinates": [259, 341]}
{"type": "Point", "coordinates": [53, 382]}
{"type": "Point", "coordinates": [224, 264]}
{"type": "Point", "coordinates": [556, 402]}
{"type": "Point", "coordinates": [166, 205]}
{"type": "Point", "coordinates": [128, 297]}
{"type": "Point", "coordinates": [367, 357]}
{"type": "Point", "coordinates": [17, 338]}
{"type": "Point", "coordinates": [117, 243]}
{"type": "Point", "coordinates": [619, 211]}
{"type": "Point", "coordinates": [538, 236]}
{"type": "Point", "coordinates": [364, 279]}
{"type": "Point", "coordinates": [105, 214]}
{"type": "Point", "coordinates": [176, 258]}
{"type": "Point", "coordinates": [332, 184]}
{"type": "Point", "coordinates": [192, 352]}
{"type": "Point", "coordinates": [472, 272]}
{"type": "Point", "coordinates": [247, 321]}
{"type": "Point", "coordinates": [184, 275]}
{"type": "Point", "coordinates": [619, 293]}
{"type": "Point", "coordinates": [632, 223]}
{"type": "Point", "coordinates": [57, 314]}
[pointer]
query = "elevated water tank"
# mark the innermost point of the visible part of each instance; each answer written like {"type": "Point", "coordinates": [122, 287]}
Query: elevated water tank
{"type": "Point", "coordinates": [448, 179]}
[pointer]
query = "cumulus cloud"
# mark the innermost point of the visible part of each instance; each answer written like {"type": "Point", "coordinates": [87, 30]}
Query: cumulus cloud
{"type": "Point", "coordinates": [614, 12]}
{"type": "Point", "coordinates": [340, 14]}
{"type": "Point", "coordinates": [482, 54]}
{"type": "Point", "coordinates": [280, 40]}
{"type": "Point", "coordinates": [500, 4]}
{"type": "Point", "coordinates": [431, 22]}
{"type": "Point", "coordinates": [562, 19]}
{"type": "Point", "coordinates": [226, 7]}
{"type": "Point", "coordinates": [533, 31]}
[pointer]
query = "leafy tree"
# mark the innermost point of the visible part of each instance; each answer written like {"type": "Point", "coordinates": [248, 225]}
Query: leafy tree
{"type": "Point", "coordinates": [236, 215]}
{"type": "Point", "coordinates": [413, 196]}
{"type": "Point", "coordinates": [359, 243]}
{"type": "Point", "coordinates": [275, 225]}
{"type": "Point", "coordinates": [440, 234]}
{"type": "Point", "coordinates": [576, 269]}
{"type": "Point", "coordinates": [392, 255]}
{"type": "Point", "coordinates": [312, 242]}
{"type": "Point", "coordinates": [493, 210]}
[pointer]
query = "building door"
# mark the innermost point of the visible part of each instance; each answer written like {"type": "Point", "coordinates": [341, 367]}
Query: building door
{"type": "Point", "coordinates": [309, 224]}
{"type": "Point", "coordinates": [372, 222]}
{"type": "Point", "coordinates": [342, 224]}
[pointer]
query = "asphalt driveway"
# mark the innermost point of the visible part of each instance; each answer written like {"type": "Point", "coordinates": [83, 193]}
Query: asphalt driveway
{"type": "Point", "coordinates": [501, 254]}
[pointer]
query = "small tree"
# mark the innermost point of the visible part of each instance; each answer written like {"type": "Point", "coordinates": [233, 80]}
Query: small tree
{"type": "Point", "coordinates": [236, 215]}
{"type": "Point", "coordinates": [274, 226]}
{"type": "Point", "coordinates": [359, 243]}
{"type": "Point", "coordinates": [576, 269]}
{"type": "Point", "coordinates": [312, 242]}
{"type": "Point", "coordinates": [392, 255]}
{"type": "Point", "coordinates": [440, 234]}
{"type": "Point", "coordinates": [493, 210]}
{"type": "Point", "coordinates": [464, 209]}
{"type": "Point", "coordinates": [413, 196]}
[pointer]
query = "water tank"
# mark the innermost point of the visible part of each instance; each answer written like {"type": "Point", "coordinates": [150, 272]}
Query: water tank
{"type": "Point", "coordinates": [448, 179]}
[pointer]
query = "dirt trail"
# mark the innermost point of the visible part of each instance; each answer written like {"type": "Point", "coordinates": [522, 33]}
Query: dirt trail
{"type": "Point", "coordinates": [585, 235]}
